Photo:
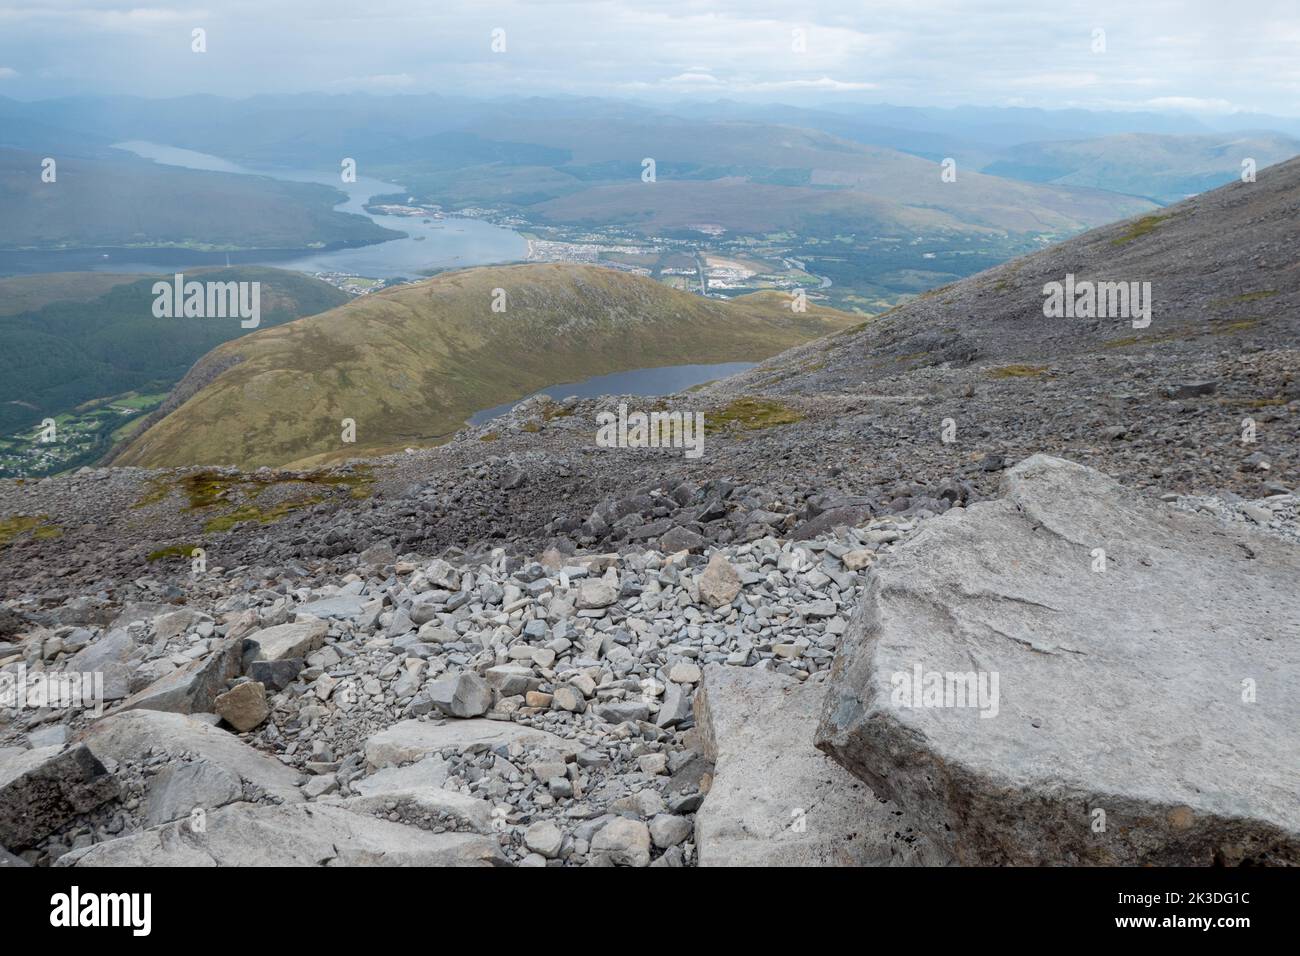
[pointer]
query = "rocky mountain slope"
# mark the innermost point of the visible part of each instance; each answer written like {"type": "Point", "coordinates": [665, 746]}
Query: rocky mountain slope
{"type": "Point", "coordinates": [409, 365]}
{"type": "Point", "coordinates": [522, 647]}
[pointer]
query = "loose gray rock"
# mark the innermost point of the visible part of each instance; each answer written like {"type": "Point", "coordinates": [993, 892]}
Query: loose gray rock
{"type": "Point", "coordinates": [622, 842]}
{"type": "Point", "coordinates": [315, 834]}
{"type": "Point", "coordinates": [776, 801]}
{"type": "Point", "coordinates": [194, 687]}
{"type": "Point", "coordinates": [178, 789]}
{"type": "Point", "coordinates": [461, 695]}
{"type": "Point", "coordinates": [1135, 718]}
{"type": "Point", "coordinates": [41, 790]}
{"type": "Point", "coordinates": [719, 584]}
{"type": "Point", "coordinates": [243, 706]}
{"type": "Point", "coordinates": [285, 641]}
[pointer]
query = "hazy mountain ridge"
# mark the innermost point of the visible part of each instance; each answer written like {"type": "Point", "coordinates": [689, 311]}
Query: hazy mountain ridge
{"type": "Point", "coordinates": [1167, 168]}
{"type": "Point", "coordinates": [123, 201]}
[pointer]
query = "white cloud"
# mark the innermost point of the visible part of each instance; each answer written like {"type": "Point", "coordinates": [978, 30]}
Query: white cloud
{"type": "Point", "coordinates": [1191, 104]}
{"type": "Point", "coordinates": [7, 72]}
{"type": "Point", "coordinates": [1157, 52]}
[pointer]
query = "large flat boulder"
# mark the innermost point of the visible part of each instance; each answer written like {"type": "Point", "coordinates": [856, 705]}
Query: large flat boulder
{"type": "Point", "coordinates": [134, 734]}
{"type": "Point", "coordinates": [1027, 707]}
{"type": "Point", "coordinates": [193, 688]}
{"type": "Point", "coordinates": [285, 641]}
{"type": "Point", "coordinates": [41, 790]}
{"type": "Point", "coordinates": [243, 834]}
{"type": "Point", "coordinates": [410, 740]}
{"type": "Point", "coordinates": [776, 800]}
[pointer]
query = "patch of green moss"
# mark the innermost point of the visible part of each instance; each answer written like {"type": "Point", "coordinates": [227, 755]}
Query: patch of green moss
{"type": "Point", "coordinates": [39, 526]}
{"type": "Point", "coordinates": [204, 489]}
{"type": "Point", "coordinates": [1226, 328]}
{"type": "Point", "coordinates": [1246, 297]}
{"type": "Point", "coordinates": [1018, 371]}
{"type": "Point", "coordinates": [751, 414]}
{"type": "Point", "coordinates": [171, 551]}
{"type": "Point", "coordinates": [1140, 228]}
{"type": "Point", "coordinates": [556, 410]}
{"type": "Point", "coordinates": [531, 427]}
{"type": "Point", "coordinates": [488, 436]}
{"type": "Point", "coordinates": [251, 512]}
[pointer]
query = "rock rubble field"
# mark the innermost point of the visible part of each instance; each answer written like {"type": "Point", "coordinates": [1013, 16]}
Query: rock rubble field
{"type": "Point", "coordinates": [717, 705]}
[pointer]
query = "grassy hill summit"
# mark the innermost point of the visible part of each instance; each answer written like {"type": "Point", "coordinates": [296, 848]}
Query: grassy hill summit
{"type": "Point", "coordinates": [411, 364]}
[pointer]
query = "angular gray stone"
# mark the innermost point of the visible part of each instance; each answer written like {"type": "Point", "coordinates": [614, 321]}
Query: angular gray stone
{"type": "Point", "coordinates": [461, 695]}
{"type": "Point", "coordinates": [668, 830]}
{"type": "Point", "coordinates": [544, 837]}
{"type": "Point", "coordinates": [41, 790]}
{"type": "Point", "coordinates": [132, 735]}
{"type": "Point", "coordinates": [776, 801]}
{"type": "Point", "coordinates": [719, 582]}
{"type": "Point", "coordinates": [194, 687]}
{"type": "Point", "coordinates": [622, 842]}
{"type": "Point", "coordinates": [1123, 691]}
{"type": "Point", "coordinates": [285, 641]}
{"type": "Point", "coordinates": [110, 655]}
{"type": "Point", "coordinates": [681, 539]}
{"type": "Point", "coordinates": [596, 593]}
{"type": "Point", "coordinates": [305, 834]}
{"type": "Point", "coordinates": [676, 706]}
{"type": "Point", "coordinates": [180, 788]}
{"type": "Point", "coordinates": [7, 859]}
{"type": "Point", "coordinates": [275, 675]}
{"type": "Point", "coordinates": [243, 706]}
{"type": "Point", "coordinates": [618, 711]}
{"type": "Point", "coordinates": [413, 739]}
{"type": "Point", "coordinates": [511, 680]}
{"type": "Point", "coordinates": [462, 811]}
{"type": "Point", "coordinates": [344, 605]}
{"type": "Point", "coordinates": [427, 774]}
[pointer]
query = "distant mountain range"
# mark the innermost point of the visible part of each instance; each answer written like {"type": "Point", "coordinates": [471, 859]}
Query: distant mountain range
{"type": "Point", "coordinates": [578, 161]}
{"type": "Point", "coordinates": [1166, 168]}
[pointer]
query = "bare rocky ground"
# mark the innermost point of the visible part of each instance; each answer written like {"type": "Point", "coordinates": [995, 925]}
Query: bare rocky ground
{"type": "Point", "coordinates": [523, 648]}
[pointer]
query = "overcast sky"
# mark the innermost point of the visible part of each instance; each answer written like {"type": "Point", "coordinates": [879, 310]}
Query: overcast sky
{"type": "Point", "coordinates": [1197, 55]}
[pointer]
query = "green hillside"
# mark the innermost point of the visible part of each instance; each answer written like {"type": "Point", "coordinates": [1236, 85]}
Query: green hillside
{"type": "Point", "coordinates": [20, 294]}
{"type": "Point", "coordinates": [411, 364]}
{"type": "Point", "coordinates": [70, 352]}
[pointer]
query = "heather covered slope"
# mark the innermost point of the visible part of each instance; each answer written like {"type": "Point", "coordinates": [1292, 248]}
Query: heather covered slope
{"type": "Point", "coordinates": [410, 365]}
